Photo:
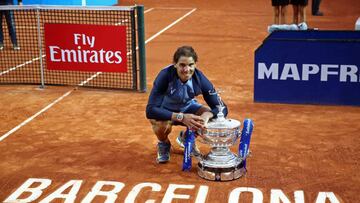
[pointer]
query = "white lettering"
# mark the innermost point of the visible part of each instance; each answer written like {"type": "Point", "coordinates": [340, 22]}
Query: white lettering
{"type": "Point", "coordinates": [347, 73]}
{"type": "Point", "coordinates": [53, 52]}
{"type": "Point", "coordinates": [85, 52]}
{"type": "Point", "coordinates": [235, 194]}
{"type": "Point", "coordinates": [79, 54]}
{"type": "Point", "coordinates": [25, 187]}
{"type": "Point", "coordinates": [309, 69]}
{"type": "Point", "coordinates": [110, 195]}
{"type": "Point", "coordinates": [69, 197]}
{"type": "Point", "coordinates": [290, 71]}
{"type": "Point", "coordinates": [322, 196]}
{"type": "Point", "coordinates": [277, 195]}
{"type": "Point", "coordinates": [91, 41]}
{"type": "Point", "coordinates": [84, 56]}
{"type": "Point", "coordinates": [136, 190]}
{"type": "Point", "coordinates": [118, 56]}
{"type": "Point", "coordinates": [76, 38]}
{"type": "Point", "coordinates": [108, 56]}
{"type": "Point", "coordinates": [325, 71]}
{"type": "Point", "coordinates": [169, 195]}
{"type": "Point", "coordinates": [348, 70]}
{"type": "Point", "coordinates": [32, 189]}
{"type": "Point", "coordinates": [272, 71]}
{"type": "Point", "coordinates": [202, 194]}
{"type": "Point", "coordinates": [101, 55]}
{"type": "Point", "coordinates": [94, 57]}
{"type": "Point", "coordinates": [83, 39]}
{"type": "Point", "coordinates": [68, 55]}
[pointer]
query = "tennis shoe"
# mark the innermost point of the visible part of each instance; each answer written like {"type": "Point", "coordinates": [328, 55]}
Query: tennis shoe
{"type": "Point", "coordinates": [163, 154]}
{"type": "Point", "coordinates": [181, 139]}
{"type": "Point", "coordinates": [16, 47]}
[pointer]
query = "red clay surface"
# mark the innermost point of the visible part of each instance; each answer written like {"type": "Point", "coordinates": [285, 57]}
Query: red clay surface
{"type": "Point", "coordinates": [95, 135]}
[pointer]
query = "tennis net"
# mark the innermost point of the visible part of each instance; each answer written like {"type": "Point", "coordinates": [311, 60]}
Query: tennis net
{"type": "Point", "coordinates": [26, 57]}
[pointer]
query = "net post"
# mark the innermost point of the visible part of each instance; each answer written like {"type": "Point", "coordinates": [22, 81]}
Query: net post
{"type": "Point", "coordinates": [40, 49]}
{"type": "Point", "coordinates": [141, 43]}
{"type": "Point", "coordinates": [134, 50]}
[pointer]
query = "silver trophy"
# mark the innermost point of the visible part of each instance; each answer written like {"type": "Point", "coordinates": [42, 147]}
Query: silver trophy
{"type": "Point", "coordinates": [220, 164]}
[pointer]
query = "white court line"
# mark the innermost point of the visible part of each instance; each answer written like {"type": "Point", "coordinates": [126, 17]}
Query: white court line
{"type": "Point", "coordinates": [35, 59]}
{"type": "Point", "coordinates": [34, 116]}
{"type": "Point", "coordinates": [18, 66]}
{"type": "Point", "coordinates": [90, 78]}
{"type": "Point", "coordinates": [173, 8]}
{"type": "Point", "coordinates": [26, 27]}
{"type": "Point", "coordinates": [169, 26]}
{"type": "Point", "coordinates": [150, 9]}
{"type": "Point", "coordinates": [69, 92]}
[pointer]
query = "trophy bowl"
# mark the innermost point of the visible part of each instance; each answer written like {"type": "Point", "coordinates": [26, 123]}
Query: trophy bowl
{"type": "Point", "coordinates": [220, 164]}
{"type": "Point", "coordinates": [221, 134]}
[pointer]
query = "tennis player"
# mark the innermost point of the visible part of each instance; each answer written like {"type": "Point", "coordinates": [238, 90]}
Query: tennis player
{"type": "Point", "coordinates": [172, 100]}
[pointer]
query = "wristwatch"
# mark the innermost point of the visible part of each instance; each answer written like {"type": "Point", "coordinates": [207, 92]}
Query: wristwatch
{"type": "Point", "coordinates": [180, 117]}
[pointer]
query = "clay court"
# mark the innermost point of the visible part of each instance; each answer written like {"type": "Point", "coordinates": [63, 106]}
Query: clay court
{"type": "Point", "coordinates": [93, 135]}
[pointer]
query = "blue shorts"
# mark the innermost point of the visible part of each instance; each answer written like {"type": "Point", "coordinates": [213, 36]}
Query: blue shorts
{"type": "Point", "coordinates": [192, 108]}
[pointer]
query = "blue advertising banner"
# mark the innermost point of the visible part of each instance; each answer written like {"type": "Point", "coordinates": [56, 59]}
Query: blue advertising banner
{"type": "Point", "coordinates": [72, 2]}
{"type": "Point", "coordinates": [308, 67]}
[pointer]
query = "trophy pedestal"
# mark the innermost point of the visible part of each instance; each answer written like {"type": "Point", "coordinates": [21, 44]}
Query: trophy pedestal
{"type": "Point", "coordinates": [221, 174]}
{"type": "Point", "coordinates": [221, 165]}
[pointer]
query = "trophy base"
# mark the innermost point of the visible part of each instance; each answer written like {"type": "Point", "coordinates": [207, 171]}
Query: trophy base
{"type": "Point", "coordinates": [221, 174]}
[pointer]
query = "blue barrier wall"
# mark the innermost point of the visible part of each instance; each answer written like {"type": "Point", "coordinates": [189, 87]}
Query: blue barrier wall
{"type": "Point", "coordinates": [52, 2]}
{"type": "Point", "coordinates": [308, 67]}
{"type": "Point", "coordinates": [101, 3]}
{"type": "Point", "coordinates": [71, 2]}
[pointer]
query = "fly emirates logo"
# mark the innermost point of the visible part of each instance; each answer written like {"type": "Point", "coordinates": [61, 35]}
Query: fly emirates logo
{"type": "Point", "coordinates": [81, 55]}
{"type": "Point", "coordinates": [305, 72]}
{"type": "Point", "coordinates": [83, 47]}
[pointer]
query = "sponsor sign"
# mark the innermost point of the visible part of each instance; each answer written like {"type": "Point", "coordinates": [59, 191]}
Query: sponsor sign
{"type": "Point", "coordinates": [79, 47]}
{"type": "Point", "coordinates": [315, 67]}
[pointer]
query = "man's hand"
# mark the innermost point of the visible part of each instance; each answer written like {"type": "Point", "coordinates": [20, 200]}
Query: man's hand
{"type": "Point", "coordinates": [206, 116]}
{"type": "Point", "coordinates": [193, 122]}
{"type": "Point", "coordinates": [197, 122]}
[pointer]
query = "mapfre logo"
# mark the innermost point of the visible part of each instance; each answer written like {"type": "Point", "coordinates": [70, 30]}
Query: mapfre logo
{"type": "Point", "coordinates": [78, 47]}
{"type": "Point", "coordinates": [306, 72]}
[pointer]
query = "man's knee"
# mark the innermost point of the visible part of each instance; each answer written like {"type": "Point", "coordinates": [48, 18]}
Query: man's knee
{"type": "Point", "coordinates": [161, 128]}
{"type": "Point", "coordinates": [202, 110]}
